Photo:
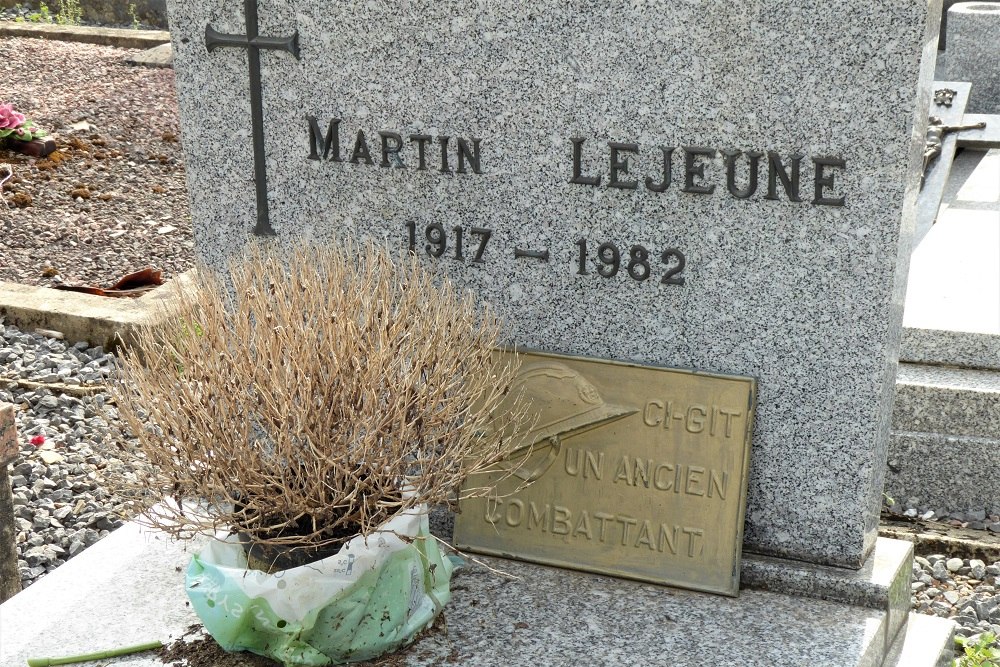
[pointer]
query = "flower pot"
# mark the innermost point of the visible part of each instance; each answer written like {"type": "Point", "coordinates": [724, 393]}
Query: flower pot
{"type": "Point", "coordinates": [270, 558]}
{"type": "Point", "coordinates": [372, 597]}
{"type": "Point", "coordinates": [35, 147]}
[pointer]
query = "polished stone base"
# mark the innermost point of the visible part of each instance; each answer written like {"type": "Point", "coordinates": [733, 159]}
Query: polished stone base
{"type": "Point", "coordinates": [128, 589]}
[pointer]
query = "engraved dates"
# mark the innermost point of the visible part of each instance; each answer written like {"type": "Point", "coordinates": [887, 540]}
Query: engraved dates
{"type": "Point", "coordinates": [472, 244]}
{"type": "Point", "coordinates": [437, 240]}
{"type": "Point", "coordinates": [609, 261]}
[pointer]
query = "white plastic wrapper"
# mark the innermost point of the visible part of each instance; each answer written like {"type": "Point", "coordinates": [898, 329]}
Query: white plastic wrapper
{"type": "Point", "coordinates": [372, 597]}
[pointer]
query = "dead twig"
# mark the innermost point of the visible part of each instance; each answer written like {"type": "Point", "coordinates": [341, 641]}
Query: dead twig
{"type": "Point", "coordinates": [302, 396]}
{"type": "Point", "coordinates": [79, 390]}
{"type": "Point", "coordinates": [483, 564]}
{"type": "Point", "coordinates": [6, 173]}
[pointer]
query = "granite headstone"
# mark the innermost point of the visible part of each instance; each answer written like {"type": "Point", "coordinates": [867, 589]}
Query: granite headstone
{"type": "Point", "coordinates": [973, 49]}
{"type": "Point", "coordinates": [659, 182]}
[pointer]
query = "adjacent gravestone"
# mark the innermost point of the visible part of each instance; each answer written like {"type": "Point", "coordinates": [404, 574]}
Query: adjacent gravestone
{"type": "Point", "coordinates": [10, 577]}
{"type": "Point", "coordinates": [973, 49]}
{"type": "Point", "coordinates": [661, 182]}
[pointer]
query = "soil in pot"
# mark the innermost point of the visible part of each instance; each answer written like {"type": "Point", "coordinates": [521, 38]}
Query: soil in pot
{"type": "Point", "coordinates": [272, 558]}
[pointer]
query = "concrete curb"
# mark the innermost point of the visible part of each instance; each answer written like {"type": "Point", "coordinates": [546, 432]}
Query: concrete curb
{"type": "Point", "coordinates": [130, 39]}
{"type": "Point", "coordinates": [99, 320]}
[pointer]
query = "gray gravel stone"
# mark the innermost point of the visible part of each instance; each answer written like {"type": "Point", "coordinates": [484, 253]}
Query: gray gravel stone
{"type": "Point", "coordinates": [61, 508]}
{"type": "Point", "coordinates": [971, 601]}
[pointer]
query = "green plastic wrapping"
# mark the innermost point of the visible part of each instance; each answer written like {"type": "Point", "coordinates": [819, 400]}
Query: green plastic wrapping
{"type": "Point", "coordinates": [371, 598]}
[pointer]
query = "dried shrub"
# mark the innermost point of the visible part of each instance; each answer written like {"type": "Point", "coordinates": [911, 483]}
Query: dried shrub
{"type": "Point", "coordinates": [296, 406]}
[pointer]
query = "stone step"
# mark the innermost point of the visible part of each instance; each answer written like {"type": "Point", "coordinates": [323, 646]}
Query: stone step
{"type": "Point", "coordinates": [954, 473]}
{"type": "Point", "coordinates": [923, 636]}
{"type": "Point", "coordinates": [963, 349]}
{"type": "Point", "coordinates": [945, 444]}
{"type": "Point", "coordinates": [128, 589]}
{"type": "Point", "coordinates": [947, 401]}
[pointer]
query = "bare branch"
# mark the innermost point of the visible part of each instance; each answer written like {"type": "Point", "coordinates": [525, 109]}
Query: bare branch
{"type": "Point", "coordinates": [302, 396]}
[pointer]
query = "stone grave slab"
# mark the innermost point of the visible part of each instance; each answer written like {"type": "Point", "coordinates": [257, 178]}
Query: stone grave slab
{"type": "Point", "coordinates": [630, 182]}
{"type": "Point", "coordinates": [952, 314]}
{"type": "Point", "coordinates": [950, 318]}
{"type": "Point", "coordinates": [128, 589]}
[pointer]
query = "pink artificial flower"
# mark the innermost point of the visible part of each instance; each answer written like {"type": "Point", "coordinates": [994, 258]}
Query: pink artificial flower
{"type": "Point", "coordinates": [9, 119]}
{"type": "Point", "coordinates": [38, 440]}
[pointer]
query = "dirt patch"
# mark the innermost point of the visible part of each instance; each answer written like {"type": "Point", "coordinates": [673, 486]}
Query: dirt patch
{"type": "Point", "coordinates": [112, 199]}
{"type": "Point", "coordinates": [195, 649]}
{"type": "Point", "coordinates": [205, 652]}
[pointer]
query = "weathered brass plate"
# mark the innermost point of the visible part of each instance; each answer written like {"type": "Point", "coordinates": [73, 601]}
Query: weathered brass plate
{"type": "Point", "coordinates": [635, 471]}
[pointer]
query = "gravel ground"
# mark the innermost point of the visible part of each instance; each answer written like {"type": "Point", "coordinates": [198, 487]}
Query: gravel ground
{"type": "Point", "coordinates": [62, 503]}
{"type": "Point", "coordinates": [112, 199]}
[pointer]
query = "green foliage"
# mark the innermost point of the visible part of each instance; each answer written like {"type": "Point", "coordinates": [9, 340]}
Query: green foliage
{"type": "Point", "coordinates": [43, 15]}
{"type": "Point", "coordinates": [28, 132]}
{"type": "Point", "coordinates": [132, 14]}
{"type": "Point", "coordinates": [984, 652]}
{"type": "Point", "coordinates": [70, 12]}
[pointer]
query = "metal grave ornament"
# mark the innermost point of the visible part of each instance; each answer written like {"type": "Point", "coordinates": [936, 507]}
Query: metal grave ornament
{"type": "Point", "coordinates": [628, 470]}
{"type": "Point", "coordinates": [253, 43]}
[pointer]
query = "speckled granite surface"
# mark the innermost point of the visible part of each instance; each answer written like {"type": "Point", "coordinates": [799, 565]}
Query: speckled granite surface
{"type": "Point", "coordinates": [950, 472]}
{"type": "Point", "coordinates": [805, 296]}
{"type": "Point", "coordinates": [883, 583]}
{"type": "Point", "coordinates": [938, 399]}
{"type": "Point", "coordinates": [973, 49]}
{"type": "Point", "coordinates": [945, 445]}
{"type": "Point", "coordinates": [126, 590]}
{"type": "Point", "coordinates": [958, 348]}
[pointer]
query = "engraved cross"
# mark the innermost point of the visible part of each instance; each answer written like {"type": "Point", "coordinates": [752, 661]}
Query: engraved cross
{"type": "Point", "coordinates": [253, 43]}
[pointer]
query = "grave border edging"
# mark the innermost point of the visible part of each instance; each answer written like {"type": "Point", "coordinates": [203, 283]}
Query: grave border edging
{"type": "Point", "coordinates": [120, 37]}
{"type": "Point", "coordinates": [99, 320]}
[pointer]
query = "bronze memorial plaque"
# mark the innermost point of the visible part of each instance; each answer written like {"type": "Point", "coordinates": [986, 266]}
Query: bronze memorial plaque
{"type": "Point", "coordinates": [634, 471]}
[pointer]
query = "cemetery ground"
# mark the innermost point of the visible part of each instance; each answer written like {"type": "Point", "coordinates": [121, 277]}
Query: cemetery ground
{"type": "Point", "coordinates": [113, 200]}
